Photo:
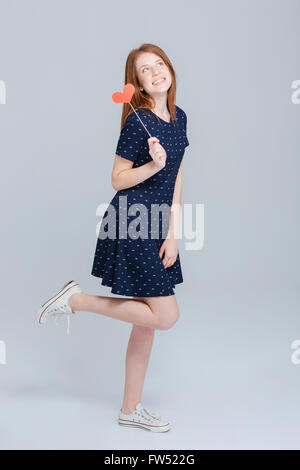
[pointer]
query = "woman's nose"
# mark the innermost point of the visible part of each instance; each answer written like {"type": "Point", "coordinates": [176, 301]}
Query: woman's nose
{"type": "Point", "coordinates": [155, 70]}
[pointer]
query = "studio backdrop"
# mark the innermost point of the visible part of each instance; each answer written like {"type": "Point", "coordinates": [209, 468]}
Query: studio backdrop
{"type": "Point", "coordinates": [228, 372]}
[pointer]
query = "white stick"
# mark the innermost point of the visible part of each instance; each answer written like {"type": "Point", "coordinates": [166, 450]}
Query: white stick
{"type": "Point", "coordinates": [140, 120]}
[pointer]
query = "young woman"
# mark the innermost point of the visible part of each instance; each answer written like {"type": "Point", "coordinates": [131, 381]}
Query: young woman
{"type": "Point", "coordinates": [147, 174]}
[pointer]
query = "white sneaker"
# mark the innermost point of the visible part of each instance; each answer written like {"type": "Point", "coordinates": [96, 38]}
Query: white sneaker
{"type": "Point", "coordinates": [140, 417]}
{"type": "Point", "coordinates": [58, 305]}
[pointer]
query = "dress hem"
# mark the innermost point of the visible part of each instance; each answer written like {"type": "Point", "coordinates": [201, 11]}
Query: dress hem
{"type": "Point", "coordinates": [115, 291]}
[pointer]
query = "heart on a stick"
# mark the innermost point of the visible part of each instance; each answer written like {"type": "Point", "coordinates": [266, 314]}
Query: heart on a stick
{"type": "Point", "coordinates": [125, 97]}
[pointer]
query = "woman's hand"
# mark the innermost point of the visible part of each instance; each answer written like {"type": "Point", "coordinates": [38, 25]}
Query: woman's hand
{"type": "Point", "coordinates": [169, 247]}
{"type": "Point", "coordinates": [157, 152]}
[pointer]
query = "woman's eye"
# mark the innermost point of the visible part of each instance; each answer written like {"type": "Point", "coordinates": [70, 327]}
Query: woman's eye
{"type": "Point", "coordinates": [159, 63]}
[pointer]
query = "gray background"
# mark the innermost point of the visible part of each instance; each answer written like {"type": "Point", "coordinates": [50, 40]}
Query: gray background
{"type": "Point", "coordinates": [223, 375]}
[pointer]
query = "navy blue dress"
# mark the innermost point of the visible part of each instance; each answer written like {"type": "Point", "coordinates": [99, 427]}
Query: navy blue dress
{"type": "Point", "coordinates": [130, 264]}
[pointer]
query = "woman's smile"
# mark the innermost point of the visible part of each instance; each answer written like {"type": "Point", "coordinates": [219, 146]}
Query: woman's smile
{"type": "Point", "coordinates": [159, 81]}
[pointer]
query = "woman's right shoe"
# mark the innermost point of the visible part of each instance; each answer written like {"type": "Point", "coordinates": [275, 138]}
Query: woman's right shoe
{"type": "Point", "coordinates": [58, 305]}
{"type": "Point", "coordinates": [141, 417]}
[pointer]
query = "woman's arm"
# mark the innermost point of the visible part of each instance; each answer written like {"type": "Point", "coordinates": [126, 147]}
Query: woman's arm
{"type": "Point", "coordinates": [176, 206]}
{"type": "Point", "coordinates": [124, 176]}
{"type": "Point", "coordinates": [169, 249]}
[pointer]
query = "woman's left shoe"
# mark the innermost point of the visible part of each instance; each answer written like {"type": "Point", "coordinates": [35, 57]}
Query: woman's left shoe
{"type": "Point", "coordinates": [58, 304]}
{"type": "Point", "coordinates": [143, 418]}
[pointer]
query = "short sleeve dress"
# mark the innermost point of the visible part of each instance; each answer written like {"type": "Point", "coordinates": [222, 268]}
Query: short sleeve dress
{"type": "Point", "coordinates": [135, 224]}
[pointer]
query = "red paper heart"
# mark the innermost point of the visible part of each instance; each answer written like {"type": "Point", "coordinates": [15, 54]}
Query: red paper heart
{"type": "Point", "coordinates": [125, 97]}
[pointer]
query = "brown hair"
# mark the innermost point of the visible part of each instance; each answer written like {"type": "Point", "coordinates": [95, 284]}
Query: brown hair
{"type": "Point", "coordinates": [141, 99]}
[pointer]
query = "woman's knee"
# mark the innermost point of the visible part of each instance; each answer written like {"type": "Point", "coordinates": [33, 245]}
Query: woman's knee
{"type": "Point", "coordinates": [165, 311]}
{"type": "Point", "coordinates": [168, 319]}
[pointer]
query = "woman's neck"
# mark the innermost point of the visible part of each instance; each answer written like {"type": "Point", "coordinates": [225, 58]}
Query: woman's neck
{"type": "Point", "coordinates": [161, 107]}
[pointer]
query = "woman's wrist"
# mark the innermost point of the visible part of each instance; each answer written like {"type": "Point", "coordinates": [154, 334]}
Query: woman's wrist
{"type": "Point", "coordinates": [155, 167]}
{"type": "Point", "coordinates": [172, 236]}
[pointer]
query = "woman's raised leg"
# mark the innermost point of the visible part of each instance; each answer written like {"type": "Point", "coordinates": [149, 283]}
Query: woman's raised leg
{"type": "Point", "coordinates": [157, 312]}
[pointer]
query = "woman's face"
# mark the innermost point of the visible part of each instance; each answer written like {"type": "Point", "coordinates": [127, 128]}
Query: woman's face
{"type": "Point", "coordinates": [151, 68]}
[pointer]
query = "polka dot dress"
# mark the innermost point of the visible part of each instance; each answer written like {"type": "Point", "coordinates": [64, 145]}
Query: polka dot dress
{"type": "Point", "coordinates": [127, 250]}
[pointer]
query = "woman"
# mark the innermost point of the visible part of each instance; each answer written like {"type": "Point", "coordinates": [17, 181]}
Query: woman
{"type": "Point", "coordinates": [147, 173]}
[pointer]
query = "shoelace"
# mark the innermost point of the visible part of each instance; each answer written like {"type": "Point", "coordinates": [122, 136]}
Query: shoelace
{"type": "Point", "coordinates": [58, 315]}
{"type": "Point", "coordinates": [152, 415]}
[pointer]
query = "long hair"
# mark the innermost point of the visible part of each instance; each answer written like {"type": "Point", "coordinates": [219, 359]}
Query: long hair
{"type": "Point", "coordinates": [141, 99]}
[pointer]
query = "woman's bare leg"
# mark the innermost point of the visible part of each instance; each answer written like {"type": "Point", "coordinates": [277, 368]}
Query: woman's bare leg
{"type": "Point", "coordinates": [138, 355]}
{"type": "Point", "coordinates": [128, 310]}
{"type": "Point", "coordinates": [137, 358]}
{"type": "Point", "coordinates": [153, 312]}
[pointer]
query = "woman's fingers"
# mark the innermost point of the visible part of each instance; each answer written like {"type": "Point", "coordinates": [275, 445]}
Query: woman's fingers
{"type": "Point", "coordinates": [161, 251]}
{"type": "Point", "coordinates": [169, 261]}
{"type": "Point", "coordinates": [153, 140]}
